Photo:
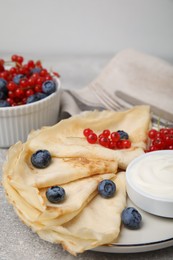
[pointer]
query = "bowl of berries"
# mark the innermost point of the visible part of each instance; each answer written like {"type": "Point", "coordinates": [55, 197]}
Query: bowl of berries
{"type": "Point", "coordinates": [29, 99]}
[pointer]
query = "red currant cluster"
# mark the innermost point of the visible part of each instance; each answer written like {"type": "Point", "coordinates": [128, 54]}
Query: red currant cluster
{"type": "Point", "coordinates": [161, 139]}
{"type": "Point", "coordinates": [22, 80]}
{"type": "Point", "coordinates": [114, 140]}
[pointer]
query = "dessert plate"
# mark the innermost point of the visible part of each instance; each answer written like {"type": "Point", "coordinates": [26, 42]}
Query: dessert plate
{"type": "Point", "coordinates": [155, 233]}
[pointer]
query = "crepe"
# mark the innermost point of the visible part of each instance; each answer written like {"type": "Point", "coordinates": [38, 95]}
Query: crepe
{"type": "Point", "coordinates": [68, 134]}
{"type": "Point", "coordinates": [77, 223]}
{"type": "Point", "coordinates": [28, 194]}
{"type": "Point", "coordinates": [98, 224]}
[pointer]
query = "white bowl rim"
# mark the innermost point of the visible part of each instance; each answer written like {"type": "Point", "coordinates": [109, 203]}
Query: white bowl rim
{"type": "Point", "coordinates": [136, 160]}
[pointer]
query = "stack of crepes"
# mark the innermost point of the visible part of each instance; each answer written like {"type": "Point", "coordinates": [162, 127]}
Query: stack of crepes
{"type": "Point", "coordinates": [85, 219]}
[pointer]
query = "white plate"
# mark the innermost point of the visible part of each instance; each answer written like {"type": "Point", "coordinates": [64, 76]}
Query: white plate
{"type": "Point", "coordinates": [155, 233]}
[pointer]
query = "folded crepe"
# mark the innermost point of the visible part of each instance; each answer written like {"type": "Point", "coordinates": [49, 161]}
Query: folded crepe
{"type": "Point", "coordinates": [66, 139]}
{"type": "Point", "coordinates": [97, 224]}
{"type": "Point", "coordinates": [26, 190]}
{"type": "Point", "coordinates": [78, 167]}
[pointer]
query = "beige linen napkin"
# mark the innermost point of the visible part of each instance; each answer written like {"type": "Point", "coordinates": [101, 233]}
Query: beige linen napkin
{"type": "Point", "coordinates": [143, 77]}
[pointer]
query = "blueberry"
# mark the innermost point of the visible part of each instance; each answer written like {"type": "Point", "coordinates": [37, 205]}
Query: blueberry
{"type": "Point", "coordinates": [3, 95]}
{"type": "Point", "coordinates": [40, 95]}
{"type": "Point", "coordinates": [3, 86]}
{"type": "Point", "coordinates": [131, 218]}
{"type": "Point", "coordinates": [123, 134]}
{"type": "Point", "coordinates": [55, 194]}
{"type": "Point", "coordinates": [4, 103]}
{"type": "Point", "coordinates": [41, 159]}
{"type": "Point", "coordinates": [35, 97]}
{"type": "Point", "coordinates": [48, 87]}
{"type": "Point", "coordinates": [17, 78]}
{"type": "Point", "coordinates": [107, 188]}
{"type": "Point", "coordinates": [35, 70]}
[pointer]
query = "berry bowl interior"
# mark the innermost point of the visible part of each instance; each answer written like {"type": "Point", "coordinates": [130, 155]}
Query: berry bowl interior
{"type": "Point", "coordinates": [18, 121]}
{"type": "Point", "coordinates": [149, 180]}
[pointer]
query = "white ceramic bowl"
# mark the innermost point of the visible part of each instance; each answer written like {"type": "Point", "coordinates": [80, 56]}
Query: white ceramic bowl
{"type": "Point", "coordinates": [149, 182]}
{"type": "Point", "coordinates": [17, 122]}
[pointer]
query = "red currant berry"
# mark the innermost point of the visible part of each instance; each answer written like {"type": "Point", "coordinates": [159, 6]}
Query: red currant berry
{"type": "Point", "coordinates": [168, 140]}
{"type": "Point", "coordinates": [39, 81]}
{"type": "Point", "coordinates": [104, 141]}
{"type": "Point", "coordinates": [14, 57]}
{"type": "Point", "coordinates": [171, 131]}
{"type": "Point", "coordinates": [56, 74]}
{"type": "Point", "coordinates": [115, 136]}
{"type": "Point", "coordinates": [31, 82]}
{"type": "Point", "coordinates": [11, 94]}
{"type": "Point", "coordinates": [159, 135]}
{"type": "Point", "coordinates": [10, 101]}
{"type": "Point", "coordinates": [170, 147]}
{"type": "Point", "coordinates": [48, 77]}
{"type": "Point", "coordinates": [38, 64]}
{"type": "Point", "coordinates": [106, 133]}
{"type": "Point", "coordinates": [2, 62]}
{"type": "Point", "coordinates": [120, 144]}
{"type": "Point", "coordinates": [164, 131]}
{"type": "Point", "coordinates": [35, 76]}
{"type": "Point", "coordinates": [24, 83]}
{"type": "Point", "coordinates": [12, 86]}
{"type": "Point", "coordinates": [112, 144]}
{"type": "Point", "coordinates": [29, 92]}
{"type": "Point", "coordinates": [20, 59]}
{"type": "Point", "coordinates": [126, 144]}
{"type": "Point", "coordinates": [37, 88]}
{"type": "Point", "coordinates": [152, 133]}
{"type": "Point", "coordinates": [43, 72]}
{"type": "Point", "coordinates": [4, 75]}
{"type": "Point", "coordinates": [87, 131]}
{"type": "Point", "coordinates": [13, 70]}
{"type": "Point", "coordinates": [31, 64]}
{"type": "Point", "coordinates": [159, 143]}
{"type": "Point", "coordinates": [19, 93]}
{"type": "Point", "coordinates": [92, 138]}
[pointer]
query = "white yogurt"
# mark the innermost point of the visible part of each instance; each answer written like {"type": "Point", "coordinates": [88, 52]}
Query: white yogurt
{"type": "Point", "coordinates": [153, 175]}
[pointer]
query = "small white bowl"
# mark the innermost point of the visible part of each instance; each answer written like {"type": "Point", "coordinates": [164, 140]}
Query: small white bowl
{"type": "Point", "coordinates": [17, 122]}
{"type": "Point", "coordinates": [150, 183]}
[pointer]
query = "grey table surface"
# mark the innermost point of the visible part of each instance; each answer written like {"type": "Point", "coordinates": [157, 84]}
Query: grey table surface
{"type": "Point", "coordinates": [17, 241]}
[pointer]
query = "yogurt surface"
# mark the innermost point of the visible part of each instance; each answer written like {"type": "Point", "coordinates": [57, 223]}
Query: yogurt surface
{"type": "Point", "coordinates": [153, 175]}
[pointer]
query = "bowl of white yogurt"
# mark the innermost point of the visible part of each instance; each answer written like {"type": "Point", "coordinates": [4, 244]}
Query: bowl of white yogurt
{"type": "Point", "coordinates": [149, 180]}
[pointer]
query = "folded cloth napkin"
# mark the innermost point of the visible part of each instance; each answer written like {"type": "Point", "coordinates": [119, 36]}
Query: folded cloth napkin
{"type": "Point", "coordinates": [146, 79]}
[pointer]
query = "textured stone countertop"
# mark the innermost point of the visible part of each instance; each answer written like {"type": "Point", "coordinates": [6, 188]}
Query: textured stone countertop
{"type": "Point", "coordinates": [17, 241]}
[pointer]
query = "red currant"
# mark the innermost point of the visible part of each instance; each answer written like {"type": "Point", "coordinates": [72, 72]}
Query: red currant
{"type": "Point", "coordinates": [92, 138]}
{"type": "Point", "coordinates": [19, 59]}
{"type": "Point", "coordinates": [126, 144]}
{"type": "Point", "coordinates": [31, 64]}
{"type": "Point", "coordinates": [14, 57]}
{"type": "Point", "coordinates": [152, 133]}
{"type": "Point", "coordinates": [120, 144]}
{"type": "Point", "coordinates": [104, 141]}
{"type": "Point", "coordinates": [19, 93]}
{"type": "Point", "coordinates": [87, 131]}
{"type": "Point", "coordinates": [159, 143]}
{"type": "Point", "coordinates": [106, 133]}
{"type": "Point", "coordinates": [112, 144]}
{"type": "Point", "coordinates": [12, 86]}
{"type": "Point", "coordinates": [115, 136]}
{"type": "Point", "coordinates": [29, 92]}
